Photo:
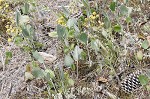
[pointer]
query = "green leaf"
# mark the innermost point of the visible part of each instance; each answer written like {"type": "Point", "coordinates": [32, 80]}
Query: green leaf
{"type": "Point", "coordinates": [71, 34]}
{"type": "Point", "coordinates": [117, 28]}
{"type": "Point", "coordinates": [66, 49]}
{"type": "Point", "coordinates": [25, 8]}
{"type": "Point", "coordinates": [77, 53]}
{"type": "Point", "coordinates": [83, 37]}
{"type": "Point", "coordinates": [25, 32]}
{"type": "Point", "coordinates": [24, 19]}
{"type": "Point", "coordinates": [73, 67]}
{"type": "Point", "coordinates": [143, 79]}
{"type": "Point", "coordinates": [145, 44]}
{"type": "Point", "coordinates": [27, 48]}
{"type": "Point", "coordinates": [53, 34]}
{"type": "Point", "coordinates": [18, 40]}
{"type": "Point", "coordinates": [140, 55]}
{"type": "Point", "coordinates": [107, 23]}
{"type": "Point", "coordinates": [38, 44]}
{"type": "Point", "coordinates": [95, 45]}
{"type": "Point", "coordinates": [123, 10]}
{"type": "Point", "coordinates": [50, 72]}
{"type": "Point", "coordinates": [37, 72]}
{"type": "Point", "coordinates": [31, 32]}
{"type": "Point", "coordinates": [83, 55]}
{"type": "Point", "coordinates": [61, 31]}
{"type": "Point", "coordinates": [8, 54]}
{"type": "Point", "coordinates": [71, 22]}
{"type": "Point", "coordinates": [126, 1]}
{"type": "Point", "coordinates": [76, 28]}
{"type": "Point", "coordinates": [65, 11]}
{"type": "Point", "coordinates": [68, 60]}
{"type": "Point", "coordinates": [8, 57]}
{"type": "Point", "coordinates": [112, 6]}
{"type": "Point", "coordinates": [128, 20]}
{"type": "Point", "coordinates": [38, 57]}
{"type": "Point", "coordinates": [17, 17]}
{"type": "Point", "coordinates": [28, 31]}
{"type": "Point", "coordinates": [70, 82]}
{"type": "Point", "coordinates": [85, 2]}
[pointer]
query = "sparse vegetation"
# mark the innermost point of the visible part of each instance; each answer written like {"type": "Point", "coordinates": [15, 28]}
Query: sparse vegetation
{"type": "Point", "coordinates": [78, 49]}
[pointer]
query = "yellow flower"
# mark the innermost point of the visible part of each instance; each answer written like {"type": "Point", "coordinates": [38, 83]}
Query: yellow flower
{"type": "Point", "coordinates": [60, 21]}
{"type": "Point", "coordinates": [94, 13]}
{"type": "Point", "coordinates": [12, 21]}
{"type": "Point", "coordinates": [10, 27]}
{"type": "Point", "coordinates": [7, 26]}
{"type": "Point", "coordinates": [9, 40]}
{"type": "Point", "coordinates": [4, 15]}
{"type": "Point", "coordinates": [61, 18]}
{"type": "Point", "coordinates": [86, 19]}
{"type": "Point", "coordinates": [97, 16]}
{"type": "Point", "coordinates": [90, 16]}
{"type": "Point", "coordinates": [0, 7]}
{"type": "Point", "coordinates": [12, 31]}
{"type": "Point", "coordinates": [6, 5]}
{"type": "Point", "coordinates": [1, 1]}
{"type": "Point", "coordinates": [3, 20]}
{"type": "Point", "coordinates": [102, 24]}
{"type": "Point", "coordinates": [6, 10]}
{"type": "Point", "coordinates": [11, 17]}
{"type": "Point", "coordinates": [8, 30]}
{"type": "Point", "coordinates": [93, 17]}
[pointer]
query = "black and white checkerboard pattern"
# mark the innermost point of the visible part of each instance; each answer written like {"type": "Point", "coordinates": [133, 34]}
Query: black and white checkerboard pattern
{"type": "Point", "coordinates": [131, 82]}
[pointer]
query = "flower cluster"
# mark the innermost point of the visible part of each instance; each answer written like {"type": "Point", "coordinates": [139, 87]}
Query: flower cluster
{"type": "Point", "coordinates": [94, 16]}
{"type": "Point", "coordinates": [61, 21]}
{"type": "Point", "coordinates": [7, 23]}
{"type": "Point", "coordinates": [94, 20]}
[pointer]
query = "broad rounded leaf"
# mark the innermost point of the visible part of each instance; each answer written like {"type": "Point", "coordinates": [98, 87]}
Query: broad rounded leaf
{"type": "Point", "coordinates": [94, 45]}
{"type": "Point", "coordinates": [24, 19]}
{"type": "Point", "coordinates": [51, 73]}
{"type": "Point", "coordinates": [128, 19]}
{"type": "Point", "coordinates": [71, 82]}
{"type": "Point", "coordinates": [139, 55]}
{"type": "Point", "coordinates": [107, 22]}
{"type": "Point", "coordinates": [83, 37]}
{"type": "Point", "coordinates": [25, 8]}
{"type": "Point", "coordinates": [37, 72]}
{"type": "Point", "coordinates": [77, 53]}
{"type": "Point", "coordinates": [25, 32]}
{"type": "Point", "coordinates": [117, 28]}
{"type": "Point", "coordinates": [143, 79]}
{"type": "Point", "coordinates": [61, 31]}
{"type": "Point", "coordinates": [123, 10]}
{"type": "Point", "coordinates": [71, 22]}
{"type": "Point", "coordinates": [68, 60]}
{"type": "Point", "coordinates": [145, 44]}
{"type": "Point", "coordinates": [112, 6]}
{"type": "Point", "coordinates": [17, 17]}
{"type": "Point", "coordinates": [8, 54]}
{"type": "Point", "coordinates": [38, 57]}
